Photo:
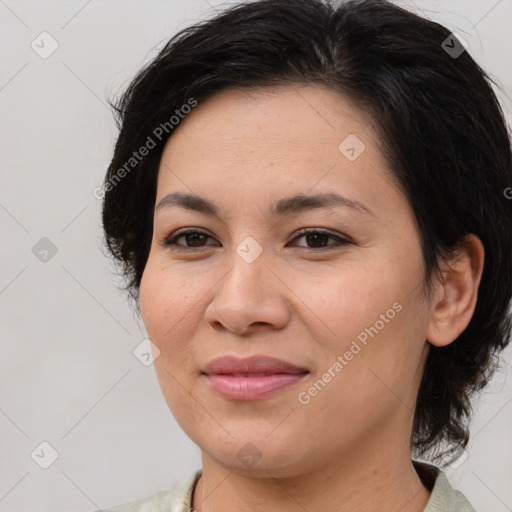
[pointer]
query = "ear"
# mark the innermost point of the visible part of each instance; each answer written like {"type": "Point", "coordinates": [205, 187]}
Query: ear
{"type": "Point", "coordinates": [455, 297]}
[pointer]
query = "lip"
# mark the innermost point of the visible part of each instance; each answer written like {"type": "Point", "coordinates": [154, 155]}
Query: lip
{"type": "Point", "coordinates": [251, 378]}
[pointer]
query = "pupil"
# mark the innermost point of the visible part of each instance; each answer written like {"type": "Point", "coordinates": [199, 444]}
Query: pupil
{"type": "Point", "coordinates": [195, 236]}
{"type": "Point", "coordinates": [314, 236]}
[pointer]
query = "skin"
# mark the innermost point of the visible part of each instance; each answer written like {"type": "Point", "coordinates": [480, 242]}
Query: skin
{"type": "Point", "coordinates": [349, 447]}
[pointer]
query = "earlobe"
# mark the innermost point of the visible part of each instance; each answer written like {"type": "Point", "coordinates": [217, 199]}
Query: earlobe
{"type": "Point", "coordinates": [456, 295]}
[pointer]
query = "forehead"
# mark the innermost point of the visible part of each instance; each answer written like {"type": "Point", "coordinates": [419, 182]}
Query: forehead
{"type": "Point", "coordinates": [309, 112]}
{"type": "Point", "coordinates": [252, 143]}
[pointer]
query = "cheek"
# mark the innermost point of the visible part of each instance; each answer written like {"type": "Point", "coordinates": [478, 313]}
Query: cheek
{"type": "Point", "coordinates": [344, 301]}
{"type": "Point", "coordinates": [170, 303]}
{"type": "Point", "coordinates": [370, 318]}
{"type": "Point", "coordinates": [166, 302]}
{"type": "Point", "coordinates": [165, 297]}
{"type": "Point", "coordinates": [150, 300]}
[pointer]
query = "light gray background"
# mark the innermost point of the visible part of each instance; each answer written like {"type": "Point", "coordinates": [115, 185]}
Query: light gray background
{"type": "Point", "coordinates": [67, 369]}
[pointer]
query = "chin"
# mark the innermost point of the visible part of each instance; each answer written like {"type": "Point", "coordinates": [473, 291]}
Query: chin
{"type": "Point", "coordinates": [255, 455]}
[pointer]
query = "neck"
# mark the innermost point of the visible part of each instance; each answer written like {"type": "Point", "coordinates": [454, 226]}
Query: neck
{"type": "Point", "coordinates": [346, 483]}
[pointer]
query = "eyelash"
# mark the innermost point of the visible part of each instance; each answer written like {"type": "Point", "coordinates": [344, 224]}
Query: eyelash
{"type": "Point", "coordinates": [170, 242]}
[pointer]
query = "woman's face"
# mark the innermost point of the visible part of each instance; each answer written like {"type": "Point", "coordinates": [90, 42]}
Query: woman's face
{"type": "Point", "coordinates": [350, 314]}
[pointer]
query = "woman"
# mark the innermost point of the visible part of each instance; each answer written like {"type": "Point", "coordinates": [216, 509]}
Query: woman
{"type": "Point", "coordinates": [308, 204]}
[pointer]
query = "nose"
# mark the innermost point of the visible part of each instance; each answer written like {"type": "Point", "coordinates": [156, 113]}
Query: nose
{"type": "Point", "coordinates": [250, 296]}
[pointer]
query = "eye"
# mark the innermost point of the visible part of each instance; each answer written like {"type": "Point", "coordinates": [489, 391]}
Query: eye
{"type": "Point", "coordinates": [312, 236]}
{"type": "Point", "coordinates": [318, 237]}
{"type": "Point", "coordinates": [192, 236]}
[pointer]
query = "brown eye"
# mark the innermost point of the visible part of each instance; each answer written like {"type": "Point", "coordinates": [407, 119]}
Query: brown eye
{"type": "Point", "coordinates": [193, 238]}
{"type": "Point", "coordinates": [319, 238]}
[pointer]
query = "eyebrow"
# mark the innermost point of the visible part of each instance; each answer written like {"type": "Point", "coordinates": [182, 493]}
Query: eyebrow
{"type": "Point", "coordinates": [294, 204]}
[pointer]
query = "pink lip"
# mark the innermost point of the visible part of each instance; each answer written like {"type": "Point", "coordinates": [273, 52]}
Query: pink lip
{"type": "Point", "coordinates": [262, 376]}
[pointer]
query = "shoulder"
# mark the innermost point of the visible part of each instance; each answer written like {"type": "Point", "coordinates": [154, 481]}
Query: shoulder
{"type": "Point", "coordinates": [177, 499]}
{"type": "Point", "coordinates": [443, 497]}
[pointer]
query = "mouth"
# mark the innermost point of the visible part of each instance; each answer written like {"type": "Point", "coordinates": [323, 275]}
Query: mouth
{"type": "Point", "coordinates": [255, 365]}
{"type": "Point", "coordinates": [253, 378]}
